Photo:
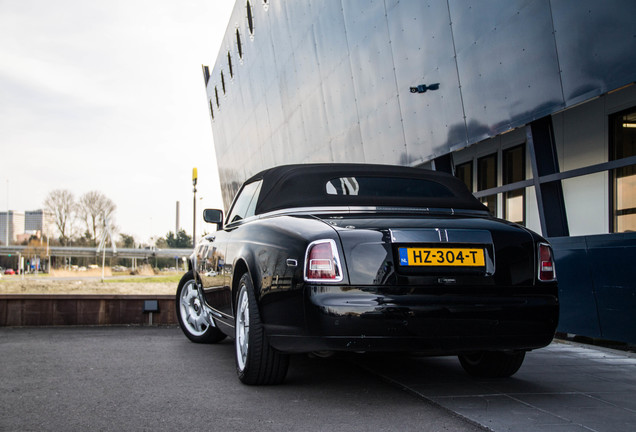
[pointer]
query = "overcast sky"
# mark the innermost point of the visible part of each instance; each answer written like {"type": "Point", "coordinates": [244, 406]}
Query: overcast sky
{"type": "Point", "coordinates": [108, 95]}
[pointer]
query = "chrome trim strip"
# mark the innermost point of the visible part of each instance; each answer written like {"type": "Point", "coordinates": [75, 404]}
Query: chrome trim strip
{"type": "Point", "coordinates": [368, 209]}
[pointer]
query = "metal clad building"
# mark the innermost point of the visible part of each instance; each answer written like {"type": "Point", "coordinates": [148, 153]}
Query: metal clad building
{"type": "Point", "coordinates": [530, 102]}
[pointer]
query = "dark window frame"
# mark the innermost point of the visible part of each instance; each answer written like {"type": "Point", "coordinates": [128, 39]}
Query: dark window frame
{"type": "Point", "coordinates": [458, 168]}
{"type": "Point", "coordinates": [505, 180]}
{"type": "Point", "coordinates": [487, 198]}
{"type": "Point", "coordinates": [613, 119]}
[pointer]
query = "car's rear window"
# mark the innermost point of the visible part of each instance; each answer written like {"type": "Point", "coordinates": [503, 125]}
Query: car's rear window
{"type": "Point", "coordinates": [394, 187]}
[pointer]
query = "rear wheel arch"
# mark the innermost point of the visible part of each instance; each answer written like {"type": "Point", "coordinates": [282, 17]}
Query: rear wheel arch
{"type": "Point", "coordinates": [192, 315]}
{"type": "Point", "coordinates": [257, 363]}
{"type": "Point", "coordinates": [240, 268]}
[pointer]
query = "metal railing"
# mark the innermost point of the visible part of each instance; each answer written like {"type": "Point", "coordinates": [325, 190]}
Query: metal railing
{"type": "Point", "coordinates": [71, 251]}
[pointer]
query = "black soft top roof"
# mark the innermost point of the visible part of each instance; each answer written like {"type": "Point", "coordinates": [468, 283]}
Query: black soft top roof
{"type": "Point", "coordinates": [304, 185]}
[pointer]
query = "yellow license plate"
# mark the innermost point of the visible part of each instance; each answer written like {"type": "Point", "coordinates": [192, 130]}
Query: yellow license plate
{"type": "Point", "coordinates": [468, 257]}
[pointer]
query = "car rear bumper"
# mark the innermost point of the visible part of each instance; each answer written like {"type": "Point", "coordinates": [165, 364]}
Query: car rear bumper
{"type": "Point", "coordinates": [424, 319]}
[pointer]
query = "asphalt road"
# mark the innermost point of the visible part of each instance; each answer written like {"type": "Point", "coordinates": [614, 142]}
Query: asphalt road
{"type": "Point", "coordinates": [141, 378]}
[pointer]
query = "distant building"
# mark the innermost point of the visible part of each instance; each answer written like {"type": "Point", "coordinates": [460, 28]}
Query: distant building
{"type": "Point", "coordinates": [24, 225]}
{"type": "Point", "coordinates": [39, 220]}
{"type": "Point", "coordinates": [13, 224]}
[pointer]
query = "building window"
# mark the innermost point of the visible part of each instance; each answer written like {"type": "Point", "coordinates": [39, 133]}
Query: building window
{"type": "Point", "coordinates": [465, 173]}
{"type": "Point", "coordinates": [229, 64]}
{"type": "Point", "coordinates": [238, 44]}
{"type": "Point", "coordinates": [206, 74]}
{"type": "Point", "coordinates": [514, 170]}
{"type": "Point", "coordinates": [250, 19]}
{"type": "Point", "coordinates": [623, 180]}
{"type": "Point", "coordinates": [223, 82]}
{"type": "Point", "coordinates": [211, 110]}
{"type": "Point", "coordinates": [487, 179]}
{"type": "Point", "coordinates": [216, 96]}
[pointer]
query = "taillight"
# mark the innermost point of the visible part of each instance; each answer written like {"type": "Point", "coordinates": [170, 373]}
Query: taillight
{"type": "Point", "coordinates": [322, 263]}
{"type": "Point", "coordinates": [546, 263]}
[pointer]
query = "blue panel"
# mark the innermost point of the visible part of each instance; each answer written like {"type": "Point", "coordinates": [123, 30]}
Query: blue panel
{"type": "Point", "coordinates": [578, 312]}
{"type": "Point", "coordinates": [612, 259]}
{"type": "Point", "coordinates": [596, 285]}
{"type": "Point", "coordinates": [404, 256]}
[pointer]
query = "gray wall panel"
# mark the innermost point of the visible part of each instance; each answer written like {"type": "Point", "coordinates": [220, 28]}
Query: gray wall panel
{"type": "Point", "coordinates": [268, 66]}
{"type": "Point", "coordinates": [509, 73]}
{"type": "Point", "coordinates": [275, 112]}
{"type": "Point", "coordinates": [473, 19]}
{"type": "Point", "coordinates": [381, 130]}
{"type": "Point", "coordinates": [370, 53]}
{"type": "Point", "coordinates": [596, 42]}
{"type": "Point", "coordinates": [423, 53]}
{"type": "Point", "coordinates": [330, 37]}
{"type": "Point", "coordinates": [340, 106]}
{"type": "Point", "coordinates": [306, 63]}
{"type": "Point", "coordinates": [315, 118]}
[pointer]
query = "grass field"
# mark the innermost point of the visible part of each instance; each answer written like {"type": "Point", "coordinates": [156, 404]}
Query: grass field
{"type": "Point", "coordinates": [91, 284]}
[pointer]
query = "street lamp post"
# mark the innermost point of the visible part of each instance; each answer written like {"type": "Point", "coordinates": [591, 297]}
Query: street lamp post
{"type": "Point", "coordinates": [7, 232]}
{"type": "Point", "coordinates": [194, 207]}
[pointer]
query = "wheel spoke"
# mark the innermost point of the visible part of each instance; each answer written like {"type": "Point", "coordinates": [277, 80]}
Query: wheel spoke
{"type": "Point", "coordinates": [242, 328]}
{"type": "Point", "coordinates": [200, 322]}
{"type": "Point", "coordinates": [191, 320]}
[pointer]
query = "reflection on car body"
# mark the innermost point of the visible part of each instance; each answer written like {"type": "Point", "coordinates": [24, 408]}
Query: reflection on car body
{"type": "Point", "coordinates": [352, 257]}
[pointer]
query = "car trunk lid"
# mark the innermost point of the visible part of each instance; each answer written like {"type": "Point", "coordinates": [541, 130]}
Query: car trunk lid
{"type": "Point", "coordinates": [434, 250]}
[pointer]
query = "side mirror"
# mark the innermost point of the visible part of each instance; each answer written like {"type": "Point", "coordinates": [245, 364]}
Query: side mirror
{"type": "Point", "coordinates": [213, 216]}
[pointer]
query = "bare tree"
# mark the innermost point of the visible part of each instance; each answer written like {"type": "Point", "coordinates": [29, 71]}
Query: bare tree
{"type": "Point", "coordinates": [61, 203]}
{"type": "Point", "coordinates": [96, 210]}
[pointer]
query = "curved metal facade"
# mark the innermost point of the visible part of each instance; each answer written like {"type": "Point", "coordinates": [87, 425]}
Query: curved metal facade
{"type": "Point", "coordinates": [337, 81]}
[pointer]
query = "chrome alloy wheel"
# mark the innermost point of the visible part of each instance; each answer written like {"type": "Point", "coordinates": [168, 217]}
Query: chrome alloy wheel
{"type": "Point", "coordinates": [193, 315]}
{"type": "Point", "coordinates": [242, 328]}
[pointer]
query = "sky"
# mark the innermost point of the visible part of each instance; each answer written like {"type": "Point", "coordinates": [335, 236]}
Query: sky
{"type": "Point", "coordinates": [108, 95]}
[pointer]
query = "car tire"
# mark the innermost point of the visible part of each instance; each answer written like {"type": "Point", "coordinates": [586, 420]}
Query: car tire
{"type": "Point", "coordinates": [193, 319]}
{"type": "Point", "coordinates": [492, 364]}
{"type": "Point", "coordinates": [257, 363]}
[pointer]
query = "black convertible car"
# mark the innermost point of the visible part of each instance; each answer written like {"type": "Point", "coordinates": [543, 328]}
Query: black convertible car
{"type": "Point", "coordinates": [352, 257]}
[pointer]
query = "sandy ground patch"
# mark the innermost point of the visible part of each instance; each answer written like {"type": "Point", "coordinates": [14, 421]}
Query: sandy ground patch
{"type": "Point", "coordinates": [15, 285]}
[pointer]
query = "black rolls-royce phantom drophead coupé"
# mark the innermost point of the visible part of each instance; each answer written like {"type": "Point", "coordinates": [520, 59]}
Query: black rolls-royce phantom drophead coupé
{"type": "Point", "coordinates": [356, 257]}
